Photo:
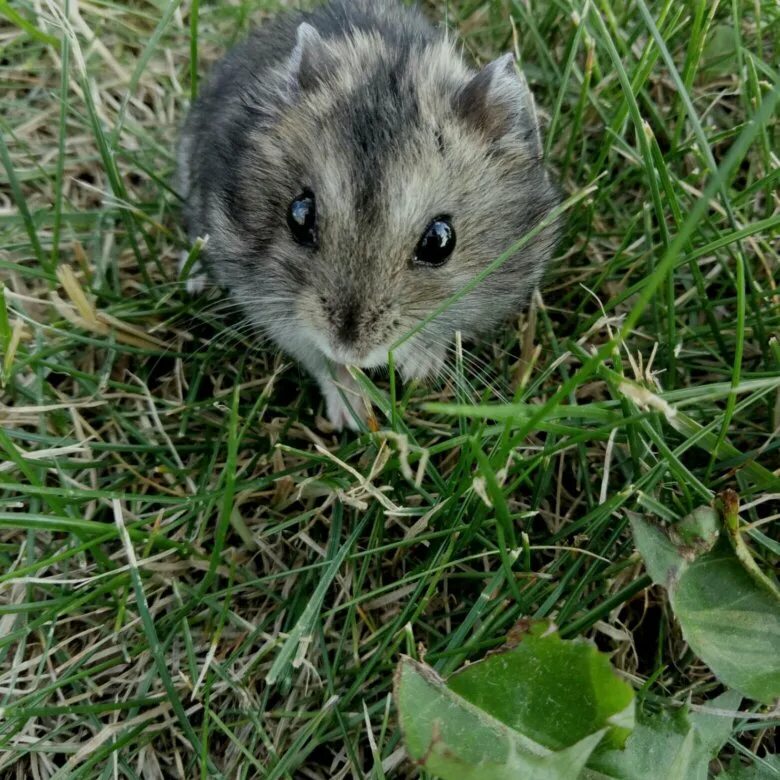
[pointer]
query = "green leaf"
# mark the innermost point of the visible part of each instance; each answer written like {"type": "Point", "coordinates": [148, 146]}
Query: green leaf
{"type": "Point", "coordinates": [731, 623]}
{"type": "Point", "coordinates": [668, 745]}
{"type": "Point", "coordinates": [661, 746]}
{"type": "Point", "coordinates": [452, 738]}
{"type": "Point", "coordinates": [663, 560]}
{"type": "Point", "coordinates": [713, 727]}
{"type": "Point", "coordinates": [536, 710]}
{"type": "Point", "coordinates": [553, 691]}
{"type": "Point", "coordinates": [728, 618]}
{"type": "Point", "coordinates": [767, 768]}
{"type": "Point", "coordinates": [700, 529]}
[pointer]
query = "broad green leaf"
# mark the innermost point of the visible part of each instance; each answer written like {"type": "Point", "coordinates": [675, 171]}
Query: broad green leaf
{"type": "Point", "coordinates": [663, 559]}
{"type": "Point", "coordinates": [661, 746]}
{"type": "Point", "coordinates": [456, 740]}
{"type": "Point", "coordinates": [668, 745]}
{"type": "Point", "coordinates": [764, 769]}
{"type": "Point", "coordinates": [713, 726]}
{"type": "Point", "coordinates": [700, 529]}
{"type": "Point", "coordinates": [556, 692]}
{"type": "Point", "coordinates": [731, 623]}
{"type": "Point", "coordinates": [728, 618]}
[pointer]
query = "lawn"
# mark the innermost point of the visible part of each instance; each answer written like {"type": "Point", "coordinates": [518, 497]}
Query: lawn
{"type": "Point", "coordinates": [197, 578]}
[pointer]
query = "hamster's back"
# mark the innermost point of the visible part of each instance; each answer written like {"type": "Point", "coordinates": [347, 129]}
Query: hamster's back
{"type": "Point", "coordinates": [271, 43]}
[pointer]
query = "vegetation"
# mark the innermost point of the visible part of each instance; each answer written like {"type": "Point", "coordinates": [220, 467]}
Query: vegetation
{"type": "Point", "coordinates": [198, 579]}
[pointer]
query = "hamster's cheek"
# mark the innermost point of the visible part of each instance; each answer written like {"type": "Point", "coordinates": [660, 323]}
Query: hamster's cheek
{"type": "Point", "coordinates": [423, 362]}
{"type": "Point", "coordinates": [423, 356]}
{"type": "Point", "coordinates": [311, 324]}
{"type": "Point", "coordinates": [451, 279]}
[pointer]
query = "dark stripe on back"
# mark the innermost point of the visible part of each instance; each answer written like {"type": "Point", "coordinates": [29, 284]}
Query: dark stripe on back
{"type": "Point", "coordinates": [376, 118]}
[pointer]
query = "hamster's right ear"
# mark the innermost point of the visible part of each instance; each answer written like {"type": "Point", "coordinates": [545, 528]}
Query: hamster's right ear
{"type": "Point", "coordinates": [306, 65]}
{"type": "Point", "coordinates": [498, 102]}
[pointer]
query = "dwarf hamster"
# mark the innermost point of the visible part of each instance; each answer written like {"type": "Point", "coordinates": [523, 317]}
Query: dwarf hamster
{"type": "Point", "coordinates": [352, 173]}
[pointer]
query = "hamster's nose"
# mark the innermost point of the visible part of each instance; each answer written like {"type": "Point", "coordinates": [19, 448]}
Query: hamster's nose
{"type": "Point", "coordinates": [347, 326]}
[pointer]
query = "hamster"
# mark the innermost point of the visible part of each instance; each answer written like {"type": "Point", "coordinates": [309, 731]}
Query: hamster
{"type": "Point", "coordinates": [352, 173]}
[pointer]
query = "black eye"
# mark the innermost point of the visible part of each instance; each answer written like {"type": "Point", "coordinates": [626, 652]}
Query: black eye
{"type": "Point", "coordinates": [302, 219]}
{"type": "Point", "coordinates": [437, 243]}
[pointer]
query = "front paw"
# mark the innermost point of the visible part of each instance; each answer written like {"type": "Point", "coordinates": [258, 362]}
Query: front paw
{"type": "Point", "coordinates": [345, 405]}
{"type": "Point", "coordinates": [197, 280]}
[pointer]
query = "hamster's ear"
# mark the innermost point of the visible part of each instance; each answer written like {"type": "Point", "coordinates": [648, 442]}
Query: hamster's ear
{"type": "Point", "coordinates": [306, 63]}
{"type": "Point", "coordinates": [498, 102]}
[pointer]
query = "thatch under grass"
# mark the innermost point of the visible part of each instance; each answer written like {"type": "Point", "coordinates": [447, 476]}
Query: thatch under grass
{"type": "Point", "coordinates": [129, 407]}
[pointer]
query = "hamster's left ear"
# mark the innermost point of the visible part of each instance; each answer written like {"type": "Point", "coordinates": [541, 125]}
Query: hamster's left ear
{"type": "Point", "coordinates": [307, 65]}
{"type": "Point", "coordinates": [498, 102]}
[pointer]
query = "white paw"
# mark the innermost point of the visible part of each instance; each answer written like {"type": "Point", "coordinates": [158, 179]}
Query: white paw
{"type": "Point", "coordinates": [197, 284]}
{"type": "Point", "coordinates": [343, 401]}
{"type": "Point", "coordinates": [197, 281]}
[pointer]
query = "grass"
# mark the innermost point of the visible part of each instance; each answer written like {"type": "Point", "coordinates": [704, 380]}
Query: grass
{"type": "Point", "coordinates": [195, 577]}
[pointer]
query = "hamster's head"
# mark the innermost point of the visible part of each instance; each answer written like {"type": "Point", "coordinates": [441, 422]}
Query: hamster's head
{"type": "Point", "coordinates": [384, 181]}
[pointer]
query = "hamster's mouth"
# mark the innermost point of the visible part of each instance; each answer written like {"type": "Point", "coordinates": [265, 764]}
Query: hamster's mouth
{"type": "Point", "coordinates": [341, 354]}
{"type": "Point", "coordinates": [349, 357]}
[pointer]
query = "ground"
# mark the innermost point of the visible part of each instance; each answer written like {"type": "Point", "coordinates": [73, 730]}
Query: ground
{"type": "Point", "coordinates": [172, 504]}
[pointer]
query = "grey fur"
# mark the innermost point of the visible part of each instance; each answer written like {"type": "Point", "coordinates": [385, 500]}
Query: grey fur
{"type": "Point", "coordinates": [367, 105]}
